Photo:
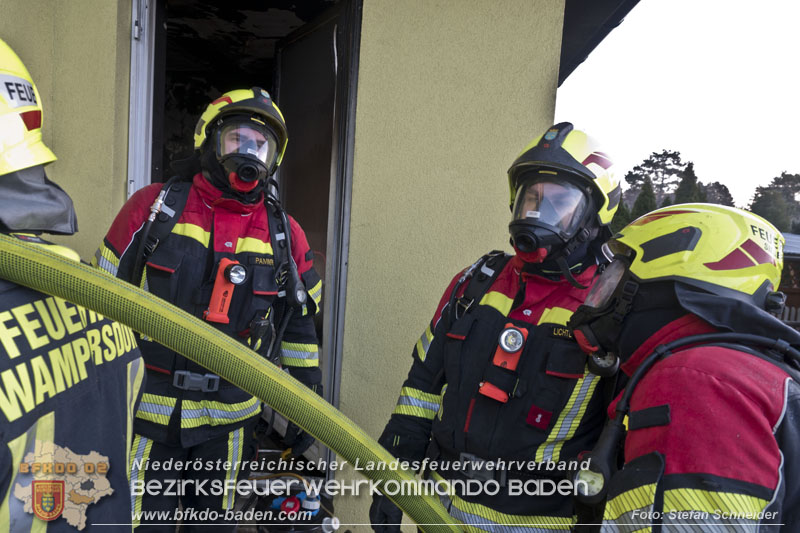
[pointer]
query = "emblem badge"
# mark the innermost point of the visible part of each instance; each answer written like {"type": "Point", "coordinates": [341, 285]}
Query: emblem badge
{"type": "Point", "coordinates": [48, 499]}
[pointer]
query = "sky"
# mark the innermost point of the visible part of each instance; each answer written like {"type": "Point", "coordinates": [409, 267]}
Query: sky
{"type": "Point", "coordinates": [718, 81]}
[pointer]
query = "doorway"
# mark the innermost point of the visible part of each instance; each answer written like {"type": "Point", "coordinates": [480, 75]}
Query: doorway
{"type": "Point", "coordinates": [185, 53]}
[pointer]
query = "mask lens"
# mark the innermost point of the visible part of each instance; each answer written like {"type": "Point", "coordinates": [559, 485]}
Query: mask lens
{"type": "Point", "coordinates": [606, 284]}
{"type": "Point", "coordinates": [551, 201]}
{"type": "Point", "coordinates": [249, 140]}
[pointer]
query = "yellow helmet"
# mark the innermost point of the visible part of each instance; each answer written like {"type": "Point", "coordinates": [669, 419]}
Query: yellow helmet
{"type": "Point", "coordinates": [565, 149]}
{"type": "Point", "coordinates": [255, 102]}
{"type": "Point", "coordinates": [713, 247]}
{"type": "Point", "coordinates": [21, 143]}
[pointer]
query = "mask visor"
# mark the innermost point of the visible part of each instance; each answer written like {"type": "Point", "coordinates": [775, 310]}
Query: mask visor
{"type": "Point", "coordinates": [551, 201]}
{"type": "Point", "coordinates": [606, 284]}
{"type": "Point", "coordinates": [248, 139]}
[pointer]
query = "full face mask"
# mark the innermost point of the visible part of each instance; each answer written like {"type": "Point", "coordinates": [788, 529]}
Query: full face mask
{"type": "Point", "coordinates": [247, 151]}
{"type": "Point", "coordinates": [550, 216]}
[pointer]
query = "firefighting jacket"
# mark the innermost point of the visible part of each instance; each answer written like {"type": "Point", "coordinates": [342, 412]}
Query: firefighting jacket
{"type": "Point", "coordinates": [466, 399]}
{"type": "Point", "coordinates": [182, 270]}
{"type": "Point", "coordinates": [69, 383]}
{"type": "Point", "coordinates": [712, 441]}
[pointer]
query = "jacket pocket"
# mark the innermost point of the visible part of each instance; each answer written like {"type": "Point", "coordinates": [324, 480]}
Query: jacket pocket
{"type": "Point", "coordinates": [162, 273]}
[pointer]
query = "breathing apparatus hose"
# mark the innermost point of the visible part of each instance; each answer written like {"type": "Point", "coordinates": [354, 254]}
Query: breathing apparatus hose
{"type": "Point", "coordinates": [38, 268]}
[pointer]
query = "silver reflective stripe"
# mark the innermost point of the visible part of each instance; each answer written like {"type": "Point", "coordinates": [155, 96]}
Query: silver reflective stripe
{"type": "Point", "coordinates": [486, 270]}
{"type": "Point", "coordinates": [296, 354]}
{"type": "Point", "coordinates": [484, 524]}
{"type": "Point", "coordinates": [156, 408]}
{"type": "Point", "coordinates": [219, 414]}
{"type": "Point", "coordinates": [235, 454]}
{"type": "Point", "coordinates": [138, 457]}
{"type": "Point", "coordinates": [105, 264]}
{"type": "Point", "coordinates": [586, 386]}
{"type": "Point", "coordinates": [425, 342]}
{"type": "Point", "coordinates": [408, 400]}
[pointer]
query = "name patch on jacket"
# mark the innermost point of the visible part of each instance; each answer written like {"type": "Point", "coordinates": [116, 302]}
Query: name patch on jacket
{"type": "Point", "coordinates": [562, 332]}
{"type": "Point", "coordinates": [263, 261]}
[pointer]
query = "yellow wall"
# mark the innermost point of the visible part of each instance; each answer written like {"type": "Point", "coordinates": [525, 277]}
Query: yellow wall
{"type": "Point", "coordinates": [78, 53]}
{"type": "Point", "coordinates": [448, 95]}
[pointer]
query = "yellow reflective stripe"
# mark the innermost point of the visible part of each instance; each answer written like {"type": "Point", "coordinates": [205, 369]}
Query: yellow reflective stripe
{"type": "Point", "coordinates": [156, 409]}
{"type": "Point", "coordinates": [441, 402]}
{"type": "Point", "coordinates": [235, 446]}
{"type": "Point", "coordinates": [140, 452]}
{"type": "Point", "coordinates": [105, 259]}
{"type": "Point", "coordinates": [134, 385]}
{"type": "Point", "coordinates": [712, 502]}
{"type": "Point", "coordinates": [207, 413]}
{"type": "Point", "coordinates": [414, 402]}
{"type": "Point", "coordinates": [316, 293]}
{"type": "Point", "coordinates": [479, 518]}
{"type": "Point", "coordinates": [569, 419]}
{"type": "Point", "coordinates": [499, 301]}
{"type": "Point", "coordinates": [424, 343]}
{"type": "Point", "coordinates": [630, 500]}
{"type": "Point", "coordinates": [555, 315]}
{"type": "Point", "coordinates": [38, 441]}
{"type": "Point", "coordinates": [299, 354]}
{"type": "Point", "coordinates": [193, 232]}
{"type": "Point", "coordinates": [256, 246]}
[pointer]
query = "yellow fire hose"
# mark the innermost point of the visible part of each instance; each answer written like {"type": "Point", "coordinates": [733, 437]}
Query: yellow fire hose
{"type": "Point", "coordinates": [38, 268]}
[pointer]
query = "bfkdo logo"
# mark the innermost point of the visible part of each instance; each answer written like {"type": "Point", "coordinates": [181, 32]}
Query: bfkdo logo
{"type": "Point", "coordinates": [48, 499]}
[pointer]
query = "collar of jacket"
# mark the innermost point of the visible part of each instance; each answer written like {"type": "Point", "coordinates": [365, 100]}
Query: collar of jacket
{"type": "Point", "coordinates": [214, 198]}
{"type": "Point", "coordinates": [685, 326]}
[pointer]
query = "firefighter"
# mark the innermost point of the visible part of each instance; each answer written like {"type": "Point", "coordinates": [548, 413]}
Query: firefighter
{"type": "Point", "coordinates": [218, 251]}
{"type": "Point", "coordinates": [688, 304]}
{"type": "Point", "coordinates": [70, 378]}
{"type": "Point", "coordinates": [496, 376]}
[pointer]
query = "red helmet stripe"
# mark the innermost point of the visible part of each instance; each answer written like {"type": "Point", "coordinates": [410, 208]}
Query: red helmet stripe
{"type": "Point", "coordinates": [733, 261]}
{"type": "Point", "coordinates": [599, 158]}
{"type": "Point", "coordinates": [222, 99]}
{"type": "Point", "coordinates": [757, 252]}
{"type": "Point", "coordinates": [651, 218]}
{"type": "Point", "coordinates": [32, 119]}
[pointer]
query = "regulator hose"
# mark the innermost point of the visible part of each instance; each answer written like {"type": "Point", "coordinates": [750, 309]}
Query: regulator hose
{"type": "Point", "coordinates": [36, 267]}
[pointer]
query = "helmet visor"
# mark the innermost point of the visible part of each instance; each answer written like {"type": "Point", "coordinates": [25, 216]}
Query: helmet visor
{"type": "Point", "coordinates": [248, 139]}
{"type": "Point", "coordinates": [553, 202]}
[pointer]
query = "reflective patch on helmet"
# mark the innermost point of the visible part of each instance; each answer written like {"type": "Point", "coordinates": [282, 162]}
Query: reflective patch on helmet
{"type": "Point", "coordinates": [222, 99]}
{"type": "Point", "coordinates": [684, 239]}
{"type": "Point", "coordinates": [17, 92]}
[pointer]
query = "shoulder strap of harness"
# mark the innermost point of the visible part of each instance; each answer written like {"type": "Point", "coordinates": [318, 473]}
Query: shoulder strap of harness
{"type": "Point", "coordinates": [164, 214]}
{"type": "Point", "coordinates": [280, 235]}
{"type": "Point", "coordinates": [479, 278]}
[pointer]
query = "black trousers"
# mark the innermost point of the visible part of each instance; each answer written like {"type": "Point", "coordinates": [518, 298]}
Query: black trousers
{"type": "Point", "coordinates": [194, 489]}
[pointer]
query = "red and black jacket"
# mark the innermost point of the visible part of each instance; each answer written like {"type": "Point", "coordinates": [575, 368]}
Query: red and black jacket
{"type": "Point", "coordinates": [182, 271]}
{"type": "Point", "coordinates": [548, 408]}
{"type": "Point", "coordinates": [712, 440]}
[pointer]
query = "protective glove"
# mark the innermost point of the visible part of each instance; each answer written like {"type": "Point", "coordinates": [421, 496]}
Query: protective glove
{"type": "Point", "coordinates": [384, 516]}
{"type": "Point", "coordinates": [297, 440]}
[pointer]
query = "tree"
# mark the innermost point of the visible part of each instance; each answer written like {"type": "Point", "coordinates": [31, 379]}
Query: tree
{"type": "Point", "coordinates": [770, 203]}
{"type": "Point", "coordinates": [716, 193]}
{"type": "Point", "coordinates": [667, 201]}
{"type": "Point", "coordinates": [662, 168]}
{"type": "Point", "coordinates": [688, 190]}
{"type": "Point", "coordinates": [646, 201]}
{"type": "Point", "coordinates": [777, 201]}
{"type": "Point", "coordinates": [621, 218]}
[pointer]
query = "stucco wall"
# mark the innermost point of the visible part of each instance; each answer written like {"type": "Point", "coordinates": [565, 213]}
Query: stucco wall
{"type": "Point", "coordinates": [448, 95]}
{"type": "Point", "coordinates": [78, 53]}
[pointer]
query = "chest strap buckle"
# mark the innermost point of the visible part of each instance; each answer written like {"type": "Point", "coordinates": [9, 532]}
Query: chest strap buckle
{"type": "Point", "coordinates": [191, 381]}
